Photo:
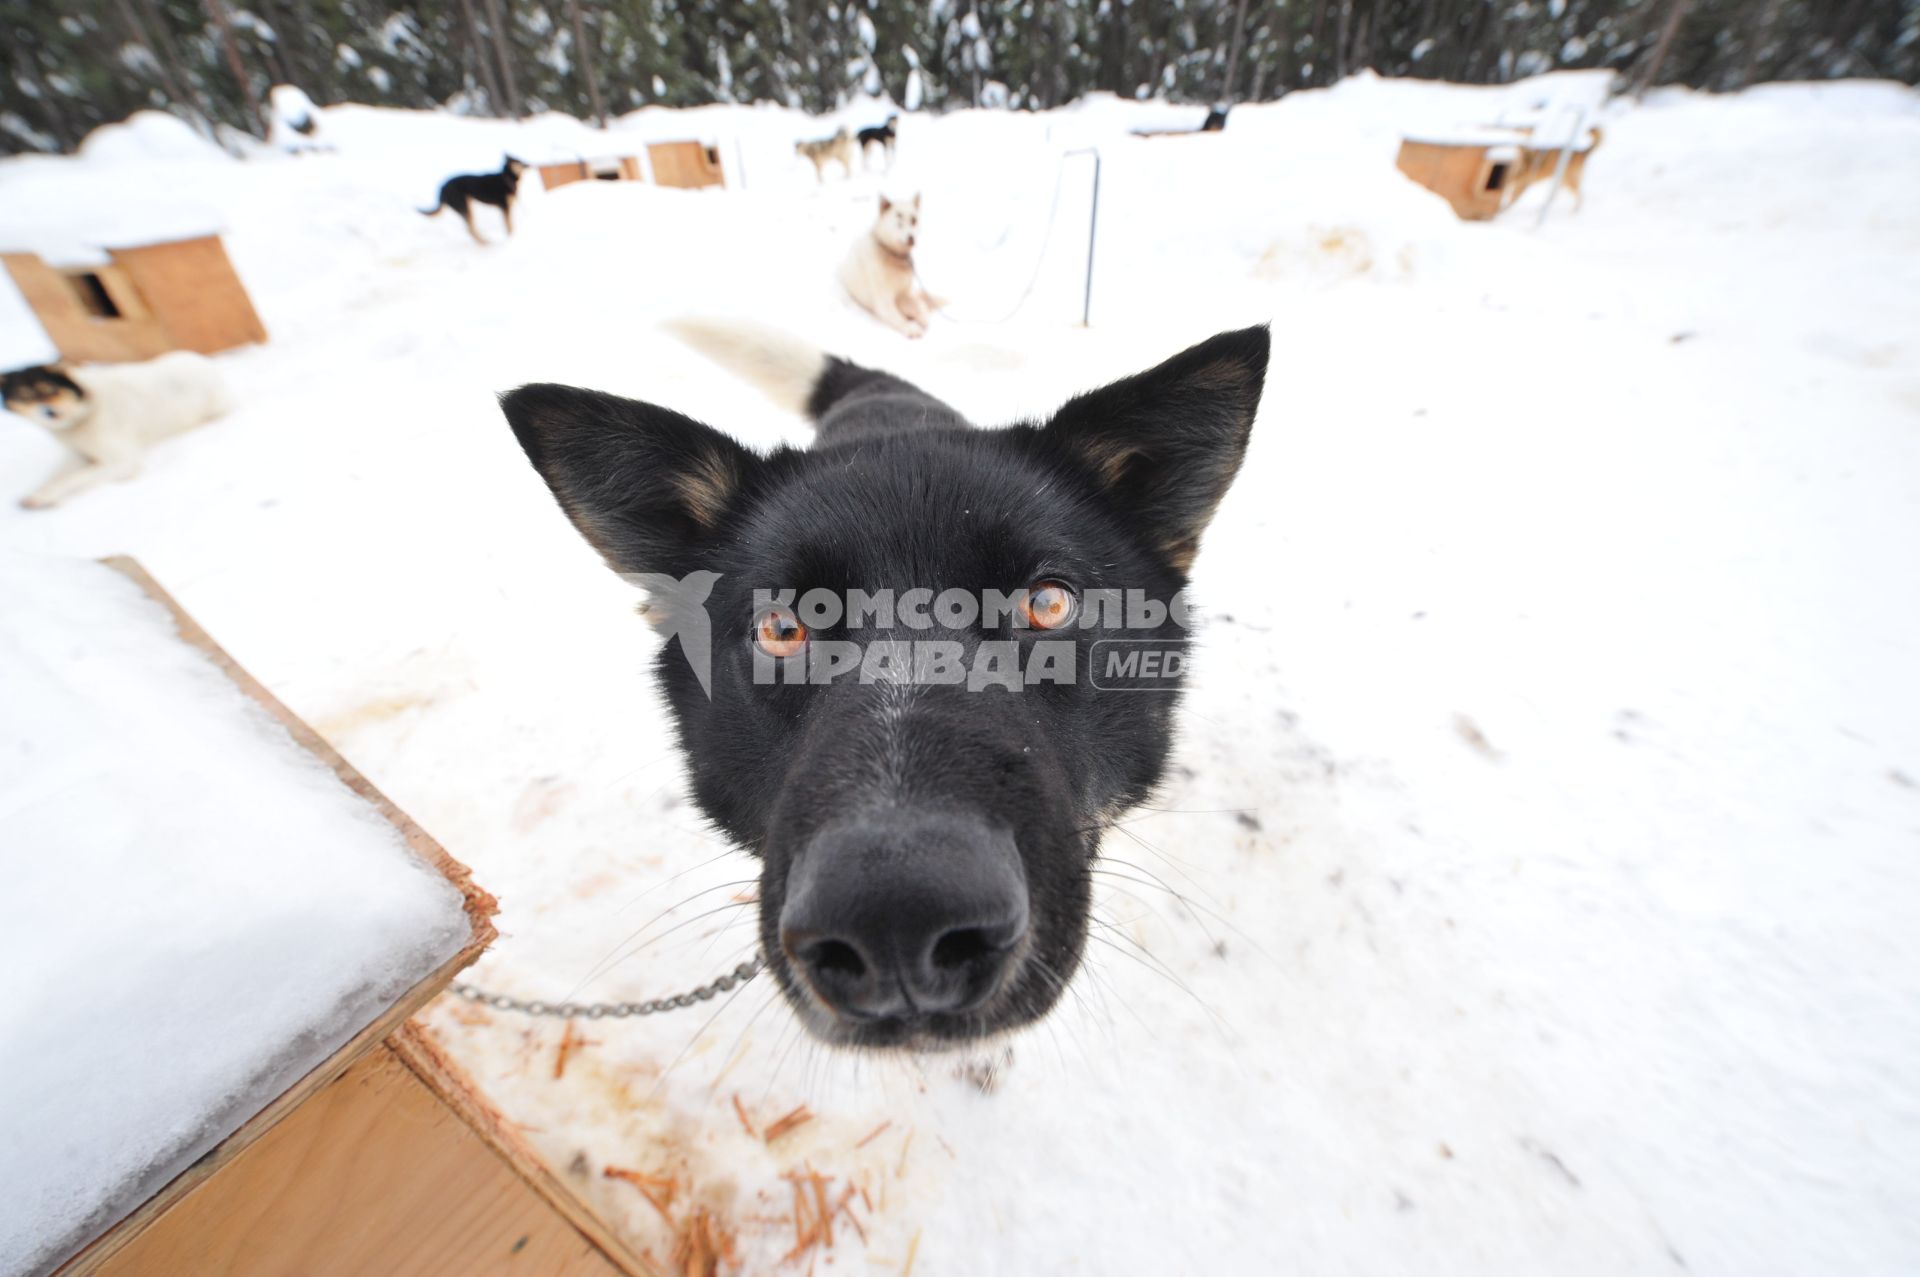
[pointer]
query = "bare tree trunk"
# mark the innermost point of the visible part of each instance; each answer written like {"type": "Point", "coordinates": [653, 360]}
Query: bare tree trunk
{"type": "Point", "coordinates": [583, 57]}
{"type": "Point", "coordinates": [1313, 37]}
{"type": "Point", "coordinates": [489, 80]}
{"type": "Point", "coordinates": [1233, 52]}
{"type": "Point", "coordinates": [1762, 32]}
{"type": "Point", "coordinates": [217, 10]}
{"type": "Point", "coordinates": [1340, 41]}
{"type": "Point", "coordinates": [503, 51]}
{"type": "Point", "coordinates": [1676, 13]}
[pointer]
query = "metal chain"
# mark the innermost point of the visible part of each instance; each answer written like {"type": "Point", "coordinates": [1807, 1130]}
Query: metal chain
{"type": "Point", "coordinates": [611, 1010]}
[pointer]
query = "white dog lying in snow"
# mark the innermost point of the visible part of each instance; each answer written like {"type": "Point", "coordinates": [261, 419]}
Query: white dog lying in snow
{"type": "Point", "coordinates": [878, 273]}
{"type": "Point", "coordinates": [112, 413]}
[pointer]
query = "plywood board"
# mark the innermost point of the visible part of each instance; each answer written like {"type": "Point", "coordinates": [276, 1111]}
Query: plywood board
{"type": "Point", "coordinates": [479, 907]}
{"type": "Point", "coordinates": [376, 1174]}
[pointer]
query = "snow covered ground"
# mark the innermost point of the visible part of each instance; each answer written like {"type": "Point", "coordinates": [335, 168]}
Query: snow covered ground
{"type": "Point", "coordinates": [1549, 800]}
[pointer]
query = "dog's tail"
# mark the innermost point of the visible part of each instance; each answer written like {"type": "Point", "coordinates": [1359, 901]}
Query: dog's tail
{"type": "Point", "coordinates": [836, 394]}
{"type": "Point", "coordinates": [435, 210]}
{"type": "Point", "coordinates": [788, 369]}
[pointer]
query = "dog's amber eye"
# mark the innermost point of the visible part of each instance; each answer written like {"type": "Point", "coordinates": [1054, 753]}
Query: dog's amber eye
{"type": "Point", "coordinates": [1049, 605]}
{"type": "Point", "coordinates": [779, 633]}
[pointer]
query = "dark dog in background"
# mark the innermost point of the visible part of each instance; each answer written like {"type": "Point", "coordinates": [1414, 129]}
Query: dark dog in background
{"type": "Point", "coordinates": [882, 135]}
{"type": "Point", "coordinates": [926, 847]}
{"type": "Point", "coordinates": [498, 189]}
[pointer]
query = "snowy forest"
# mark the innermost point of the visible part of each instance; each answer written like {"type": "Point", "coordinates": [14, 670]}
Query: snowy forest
{"type": "Point", "coordinates": [71, 67]}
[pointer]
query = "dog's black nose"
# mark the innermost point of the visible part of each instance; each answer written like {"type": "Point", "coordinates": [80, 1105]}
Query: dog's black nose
{"type": "Point", "coordinates": [905, 915]}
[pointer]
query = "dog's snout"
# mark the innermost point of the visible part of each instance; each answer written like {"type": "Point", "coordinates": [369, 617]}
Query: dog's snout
{"type": "Point", "coordinates": [905, 916]}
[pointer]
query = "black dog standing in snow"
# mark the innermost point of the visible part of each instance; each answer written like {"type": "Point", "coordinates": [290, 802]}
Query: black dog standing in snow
{"type": "Point", "coordinates": [498, 189]}
{"type": "Point", "coordinates": [926, 844]}
{"type": "Point", "coordinates": [882, 134]}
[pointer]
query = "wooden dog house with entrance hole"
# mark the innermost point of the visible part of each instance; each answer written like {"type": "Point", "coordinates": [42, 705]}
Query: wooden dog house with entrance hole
{"type": "Point", "coordinates": [685, 164]}
{"type": "Point", "coordinates": [1471, 170]}
{"type": "Point", "coordinates": [140, 301]}
{"type": "Point", "coordinates": [609, 168]}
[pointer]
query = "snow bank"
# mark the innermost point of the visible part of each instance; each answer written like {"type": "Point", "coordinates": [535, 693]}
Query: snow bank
{"type": "Point", "coordinates": [148, 137]}
{"type": "Point", "coordinates": [194, 911]}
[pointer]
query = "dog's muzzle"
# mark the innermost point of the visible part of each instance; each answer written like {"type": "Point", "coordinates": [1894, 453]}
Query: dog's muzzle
{"type": "Point", "coordinates": [899, 916]}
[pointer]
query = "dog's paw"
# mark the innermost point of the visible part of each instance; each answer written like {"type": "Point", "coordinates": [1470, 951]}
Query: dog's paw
{"type": "Point", "coordinates": [35, 501]}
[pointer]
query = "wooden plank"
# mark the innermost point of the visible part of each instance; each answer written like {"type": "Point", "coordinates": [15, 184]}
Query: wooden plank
{"type": "Point", "coordinates": [480, 908]}
{"type": "Point", "coordinates": [81, 337]}
{"type": "Point", "coordinates": [414, 1044]}
{"type": "Point", "coordinates": [374, 1175]}
{"type": "Point", "coordinates": [1458, 173]}
{"type": "Point", "coordinates": [686, 164]}
{"type": "Point", "coordinates": [192, 289]}
{"type": "Point", "coordinates": [554, 175]}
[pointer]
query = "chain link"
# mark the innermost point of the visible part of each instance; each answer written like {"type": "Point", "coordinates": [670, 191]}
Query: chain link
{"type": "Point", "coordinates": [610, 1010]}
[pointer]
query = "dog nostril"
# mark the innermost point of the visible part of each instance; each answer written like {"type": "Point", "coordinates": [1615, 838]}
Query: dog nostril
{"type": "Point", "coordinates": [836, 957]}
{"type": "Point", "coordinates": [962, 948]}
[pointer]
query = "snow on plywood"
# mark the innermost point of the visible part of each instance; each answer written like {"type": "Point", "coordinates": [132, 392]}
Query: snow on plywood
{"type": "Point", "coordinates": [194, 911]}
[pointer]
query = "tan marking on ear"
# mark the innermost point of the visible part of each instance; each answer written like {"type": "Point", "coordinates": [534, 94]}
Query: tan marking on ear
{"type": "Point", "coordinates": [1180, 552]}
{"type": "Point", "coordinates": [1222, 375]}
{"type": "Point", "coordinates": [707, 489]}
{"type": "Point", "coordinates": [1108, 458]}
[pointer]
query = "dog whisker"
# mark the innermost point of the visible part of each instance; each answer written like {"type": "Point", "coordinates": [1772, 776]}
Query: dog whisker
{"type": "Point", "coordinates": [615, 956]}
{"type": "Point", "coordinates": [635, 951]}
{"type": "Point", "coordinates": [1194, 905]}
{"type": "Point", "coordinates": [673, 878]}
{"type": "Point", "coordinates": [697, 1034]}
{"type": "Point", "coordinates": [1153, 964]}
{"type": "Point", "coordinates": [773, 997]}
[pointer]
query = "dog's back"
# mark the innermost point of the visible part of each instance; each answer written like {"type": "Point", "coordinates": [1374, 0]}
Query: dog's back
{"type": "Point", "coordinates": [142, 403]}
{"type": "Point", "coordinates": [497, 189]}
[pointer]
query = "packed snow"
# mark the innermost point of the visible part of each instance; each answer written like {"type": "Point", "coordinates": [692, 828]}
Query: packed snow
{"type": "Point", "coordinates": [194, 911]}
{"type": "Point", "coordinates": [1545, 822]}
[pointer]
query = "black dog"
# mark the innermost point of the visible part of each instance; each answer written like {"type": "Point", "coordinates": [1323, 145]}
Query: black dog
{"type": "Point", "coordinates": [883, 134]}
{"type": "Point", "coordinates": [498, 189]}
{"type": "Point", "coordinates": [926, 844]}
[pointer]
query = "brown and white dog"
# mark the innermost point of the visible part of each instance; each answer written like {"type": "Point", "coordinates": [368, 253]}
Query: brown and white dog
{"type": "Point", "coordinates": [838, 147]}
{"type": "Point", "coordinates": [878, 272]}
{"type": "Point", "coordinates": [110, 414]}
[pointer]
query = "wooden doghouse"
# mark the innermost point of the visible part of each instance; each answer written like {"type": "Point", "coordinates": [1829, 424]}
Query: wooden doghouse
{"type": "Point", "coordinates": [612, 168]}
{"type": "Point", "coordinates": [688, 164]}
{"type": "Point", "coordinates": [142, 301]}
{"type": "Point", "coordinates": [380, 1159]}
{"type": "Point", "coordinates": [1471, 171]}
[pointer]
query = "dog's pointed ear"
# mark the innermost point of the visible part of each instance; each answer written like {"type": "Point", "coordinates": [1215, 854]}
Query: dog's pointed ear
{"type": "Point", "coordinates": [646, 487]}
{"type": "Point", "coordinates": [916, 201]}
{"type": "Point", "coordinates": [1165, 444]}
{"type": "Point", "coordinates": [885, 203]}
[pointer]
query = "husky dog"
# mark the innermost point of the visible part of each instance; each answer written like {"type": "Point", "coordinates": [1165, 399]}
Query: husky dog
{"type": "Point", "coordinates": [111, 414]}
{"type": "Point", "coordinates": [878, 272]}
{"type": "Point", "coordinates": [882, 136]}
{"type": "Point", "coordinates": [498, 189]}
{"type": "Point", "coordinates": [838, 147]}
{"type": "Point", "coordinates": [926, 843]}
